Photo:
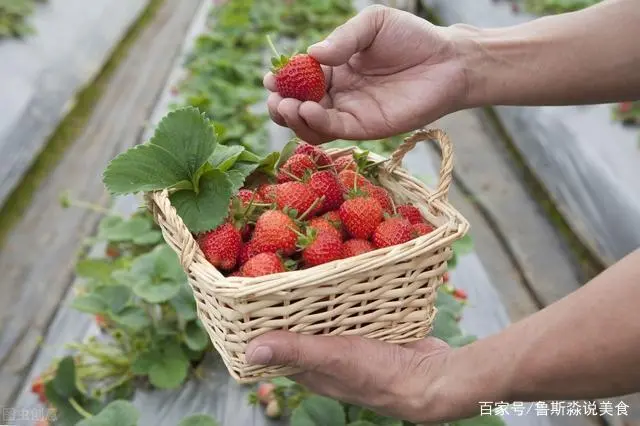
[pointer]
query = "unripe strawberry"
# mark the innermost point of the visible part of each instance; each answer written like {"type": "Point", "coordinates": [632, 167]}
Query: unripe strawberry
{"type": "Point", "coordinates": [361, 216]}
{"type": "Point", "coordinates": [221, 246]}
{"type": "Point", "coordinates": [356, 247]}
{"type": "Point", "coordinates": [273, 410]}
{"type": "Point", "coordinates": [262, 264]}
{"type": "Point", "coordinates": [393, 231]}
{"type": "Point", "coordinates": [266, 392]}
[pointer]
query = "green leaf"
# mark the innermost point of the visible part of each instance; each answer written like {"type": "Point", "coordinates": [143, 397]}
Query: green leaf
{"type": "Point", "coordinates": [445, 325]}
{"type": "Point", "coordinates": [133, 318]}
{"type": "Point", "coordinates": [142, 364]}
{"type": "Point", "coordinates": [225, 156]}
{"type": "Point", "coordinates": [182, 143]}
{"type": "Point", "coordinates": [446, 300]}
{"type": "Point", "coordinates": [462, 340]}
{"type": "Point", "coordinates": [119, 412]}
{"type": "Point", "coordinates": [463, 246]}
{"type": "Point", "coordinates": [184, 304]}
{"type": "Point", "coordinates": [149, 238]}
{"type": "Point", "coordinates": [156, 291]}
{"type": "Point", "coordinates": [286, 152]}
{"type": "Point", "coordinates": [170, 370]}
{"type": "Point", "coordinates": [64, 382]}
{"type": "Point", "coordinates": [207, 209]}
{"type": "Point", "coordinates": [115, 297]}
{"type": "Point", "coordinates": [66, 414]}
{"type": "Point", "coordinates": [121, 230]}
{"type": "Point", "coordinates": [195, 337]}
{"type": "Point", "coordinates": [318, 411]}
{"type": "Point", "coordinates": [364, 423]}
{"type": "Point", "coordinates": [282, 382]}
{"type": "Point", "coordinates": [198, 420]}
{"type": "Point", "coordinates": [97, 269]}
{"type": "Point", "coordinates": [89, 304]}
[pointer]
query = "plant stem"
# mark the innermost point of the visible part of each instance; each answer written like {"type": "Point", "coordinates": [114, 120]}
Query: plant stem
{"type": "Point", "coordinates": [273, 48]}
{"type": "Point", "coordinates": [313, 206]}
{"type": "Point", "coordinates": [84, 413]}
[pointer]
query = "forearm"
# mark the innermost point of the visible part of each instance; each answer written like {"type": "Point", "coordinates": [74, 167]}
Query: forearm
{"type": "Point", "coordinates": [585, 346]}
{"type": "Point", "coordinates": [585, 57]}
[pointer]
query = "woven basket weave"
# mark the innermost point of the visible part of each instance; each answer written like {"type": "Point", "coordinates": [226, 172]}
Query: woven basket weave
{"type": "Point", "coordinates": [387, 294]}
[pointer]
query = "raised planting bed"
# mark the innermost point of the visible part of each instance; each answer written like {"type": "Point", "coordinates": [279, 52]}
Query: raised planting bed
{"type": "Point", "coordinates": [589, 164]}
{"type": "Point", "coordinates": [43, 71]}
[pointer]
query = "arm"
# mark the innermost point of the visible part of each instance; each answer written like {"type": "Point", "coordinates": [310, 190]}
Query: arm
{"type": "Point", "coordinates": [589, 56]}
{"type": "Point", "coordinates": [585, 346]}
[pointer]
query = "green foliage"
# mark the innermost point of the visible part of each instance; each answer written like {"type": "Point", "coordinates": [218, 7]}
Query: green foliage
{"type": "Point", "coordinates": [14, 15]}
{"type": "Point", "coordinates": [548, 7]}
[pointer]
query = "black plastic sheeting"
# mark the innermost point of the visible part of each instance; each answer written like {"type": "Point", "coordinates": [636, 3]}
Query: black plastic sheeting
{"type": "Point", "coordinates": [42, 73]}
{"type": "Point", "coordinates": [589, 164]}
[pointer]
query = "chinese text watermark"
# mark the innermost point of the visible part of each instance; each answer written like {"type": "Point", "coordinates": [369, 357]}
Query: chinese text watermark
{"type": "Point", "coordinates": [555, 408]}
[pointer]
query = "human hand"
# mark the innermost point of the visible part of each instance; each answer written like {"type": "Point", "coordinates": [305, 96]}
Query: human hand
{"type": "Point", "coordinates": [409, 382]}
{"type": "Point", "coordinates": [387, 72]}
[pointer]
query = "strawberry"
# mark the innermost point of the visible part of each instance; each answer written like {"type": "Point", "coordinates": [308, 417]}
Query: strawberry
{"type": "Point", "coordinates": [266, 392]}
{"type": "Point", "coordinates": [352, 180]}
{"type": "Point", "coordinates": [321, 225]}
{"type": "Point", "coordinates": [298, 196]}
{"type": "Point", "coordinates": [247, 251]}
{"type": "Point", "coordinates": [37, 387]}
{"type": "Point", "coordinates": [382, 196]}
{"type": "Point", "coordinates": [275, 232]}
{"type": "Point", "coordinates": [299, 77]}
{"type": "Point", "coordinates": [420, 229]}
{"type": "Point", "coordinates": [459, 294]}
{"type": "Point", "coordinates": [326, 183]}
{"type": "Point", "coordinates": [445, 277]}
{"type": "Point", "coordinates": [334, 219]}
{"type": "Point", "coordinates": [112, 251]}
{"type": "Point", "coordinates": [345, 162]}
{"type": "Point", "coordinates": [296, 167]}
{"type": "Point", "coordinates": [262, 264]}
{"type": "Point", "coordinates": [318, 156]}
{"type": "Point", "coordinates": [221, 246]}
{"type": "Point", "coordinates": [320, 247]}
{"type": "Point", "coordinates": [361, 216]}
{"type": "Point", "coordinates": [235, 274]}
{"type": "Point", "coordinates": [273, 410]}
{"type": "Point", "coordinates": [411, 213]}
{"type": "Point", "coordinates": [101, 321]}
{"type": "Point", "coordinates": [393, 231]}
{"type": "Point", "coordinates": [267, 192]}
{"type": "Point", "coordinates": [356, 247]}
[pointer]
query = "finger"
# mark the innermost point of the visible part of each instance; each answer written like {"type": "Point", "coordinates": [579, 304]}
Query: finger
{"type": "Point", "coordinates": [273, 101]}
{"type": "Point", "coordinates": [269, 82]}
{"type": "Point", "coordinates": [352, 37]}
{"type": "Point", "coordinates": [331, 122]}
{"type": "Point", "coordinates": [288, 108]}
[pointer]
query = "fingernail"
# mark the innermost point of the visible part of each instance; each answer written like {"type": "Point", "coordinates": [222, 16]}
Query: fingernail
{"type": "Point", "coordinates": [260, 355]}
{"type": "Point", "coordinates": [322, 44]}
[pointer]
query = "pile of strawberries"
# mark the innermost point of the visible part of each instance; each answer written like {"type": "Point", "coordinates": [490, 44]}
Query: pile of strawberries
{"type": "Point", "coordinates": [315, 211]}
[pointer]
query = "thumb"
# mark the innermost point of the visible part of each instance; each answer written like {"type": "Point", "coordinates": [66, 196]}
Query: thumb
{"type": "Point", "coordinates": [352, 37]}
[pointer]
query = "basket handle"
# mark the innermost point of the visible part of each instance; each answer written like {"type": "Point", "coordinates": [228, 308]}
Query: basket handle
{"type": "Point", "coordinates": [446, 165]}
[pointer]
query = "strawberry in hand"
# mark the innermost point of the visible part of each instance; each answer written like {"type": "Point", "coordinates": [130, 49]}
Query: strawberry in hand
{"type": "Point", "coordinates": [299, 76]}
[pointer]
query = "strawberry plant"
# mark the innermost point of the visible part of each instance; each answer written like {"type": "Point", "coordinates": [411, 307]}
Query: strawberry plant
{"type": "Point", "coordinates": [14, 15]}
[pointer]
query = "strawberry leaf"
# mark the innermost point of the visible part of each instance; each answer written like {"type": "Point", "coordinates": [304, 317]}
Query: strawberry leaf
{"type": "Point", "coordinates": [170, 368]}
{"type": "Point", "coordinates": [318, 411]}
{"type": "Point", "coordinates": [119, 412]}
{"type": "Point", "coordinates": [195, 337]}
{"type": "Point", "coordinates": [287, 151]}
{"type": "Point", "coordinates": [224, 157]}
{"type": "Point", "coordinates": [206, 209]}
{"type": "Point", "coordinates": [181, 145]}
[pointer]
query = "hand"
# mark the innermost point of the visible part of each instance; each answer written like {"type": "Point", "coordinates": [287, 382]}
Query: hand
{"type": "Point", "coordinates": [387, 72]}
{"type": "Point", "coordinates": [405, 382]}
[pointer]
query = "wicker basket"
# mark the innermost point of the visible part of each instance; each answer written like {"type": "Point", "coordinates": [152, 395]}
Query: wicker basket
{"type": "Point", "coordinates": [387, 294]}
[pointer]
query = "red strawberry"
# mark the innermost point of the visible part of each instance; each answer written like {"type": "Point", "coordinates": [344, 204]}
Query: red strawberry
{"type": "Point", "coordinates": [296, 167]}
{"type": "Point", "coordinates": [299, 77]}
{"type": "Point", "coordinates": [275, 232]}
{"type": "Point", "coordinates": [356, 247]}
{"type": "Point", "coordinates": [445, 277]}
{"type": "Point", "coordinates": [221, 246]}
{"type": "Point", "coordinates": [351, 180]}
{"type": "Point", "coordinates": [267, 192]}
{"type": "Point", "coordinates": [295, 195]}
{"type": "Point", "coordinates": [334, 219]}
{"type": "Point", "coordinates": [321, 225]}
{"type": "Point", "coordinates": [317, 155]}
{"type": "Point", "coordinates": [326, 183]}
{"type": "Point", "coordinates": [265, 392]}
{"type": "Point", "coordinates": [247, 251]}
{"type": "Point", "coordinates": [112, 251]}
{"type": "Point", "coordinates": [382, 196]}
{"type": "Point", "coordinates": [262, 264]}
{"type": "Point", "coordinates": [249, 197]}
{"type": "Point", "coordinates": [411, 213]}
{"type": "Point", "coordinates": [624, 107]}
{"type": "Point", "coordinates": [101, 321]}
{"type": "Point", "coordinates": [320, 247]}
{"type": "Point", "coordinates": [37, 387]}
{"type": "Point", "coordinates": [345, 163]}
{"type": "Point", "coordinates": [393, 231]}
{"type": "Point", "coordinates": [460, 294]}
{"type": "Point", "coordinates": [361, 216]}
{"type": "Point", "coordinates": [420, 229]}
